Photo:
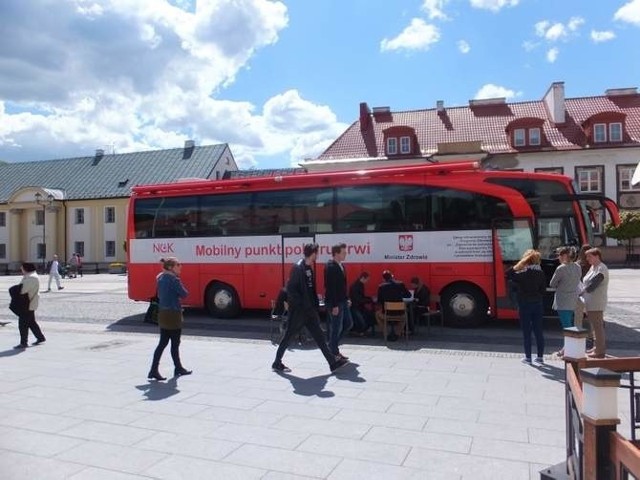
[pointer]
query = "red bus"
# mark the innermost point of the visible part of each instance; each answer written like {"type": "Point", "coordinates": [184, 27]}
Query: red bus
{"type": "Point", "coordinates": [455, 226]}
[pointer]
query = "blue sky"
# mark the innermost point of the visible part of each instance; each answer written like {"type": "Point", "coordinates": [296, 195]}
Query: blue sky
{"type": "Point", "coordinates": [279, 80]}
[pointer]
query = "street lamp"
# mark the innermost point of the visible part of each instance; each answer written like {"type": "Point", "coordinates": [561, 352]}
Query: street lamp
{"type": "Point", "coordinates": [45, 202]}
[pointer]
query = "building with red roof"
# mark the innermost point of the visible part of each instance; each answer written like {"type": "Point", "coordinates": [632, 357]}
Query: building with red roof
{"type": "Point", "coordinates": [595, 140]}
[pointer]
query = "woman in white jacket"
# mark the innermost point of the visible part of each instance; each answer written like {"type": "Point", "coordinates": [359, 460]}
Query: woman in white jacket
{"type": "Point", "coordinates": [27, 321]}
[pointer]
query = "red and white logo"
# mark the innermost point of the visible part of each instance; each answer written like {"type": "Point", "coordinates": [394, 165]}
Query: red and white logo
{"type": "Point", "coordinates": [405, 243]}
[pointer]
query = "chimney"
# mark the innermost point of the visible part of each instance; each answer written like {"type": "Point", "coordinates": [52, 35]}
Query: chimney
{"type": "Point", "coordinates": [618, 92]}
{"type": "Point", "coordinates": [440, 106]}
{"type": "Point", "coordinates": [98, 156]}
{"type": "Point", "coordinates": [189, 146]}
{"type": "Point", "coordinates": [554, 101]}
{"type": "Point", "coordinates": [365, 116]}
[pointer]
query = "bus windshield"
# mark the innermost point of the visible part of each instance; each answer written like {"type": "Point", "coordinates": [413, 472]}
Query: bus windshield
{"type": "Point", "coordinates": [555, 219]}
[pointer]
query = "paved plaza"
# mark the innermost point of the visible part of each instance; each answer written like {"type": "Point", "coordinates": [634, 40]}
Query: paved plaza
{"type": "Point", "coordinates": [455, 405]}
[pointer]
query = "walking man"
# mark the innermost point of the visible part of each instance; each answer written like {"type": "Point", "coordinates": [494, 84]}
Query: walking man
{"type": "Point", "coordinates": [54, 272]}
{"type": "Point", "coordinates": [303, 310]}
{"type": "Point", "coordinates": [27, 318]}
{"type": "Point", "coordinates": [336, 300]}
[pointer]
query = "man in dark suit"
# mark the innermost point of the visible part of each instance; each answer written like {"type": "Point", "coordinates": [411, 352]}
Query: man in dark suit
{"type": "Point", "coordinates": [302, 298]}
{"type": "Point", "coordinates": [361, 306]}
{"type": "Point", "coordinates": [336, 300]}
{"type": "Point", "coordinates": [390, 291]}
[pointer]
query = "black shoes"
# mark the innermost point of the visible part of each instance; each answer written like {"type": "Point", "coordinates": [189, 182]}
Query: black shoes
{"type": "Point", "coordinates": [38, 342]}
{"type": "Point", "coordinates": [20, 346]}
{"type": "Point", "coordinates": [155, 375]}
{"type": "Point", "coordinates": [280, 367]}
{"type": "Point", "coordinates": [178, 372]}
{"type": "Point", "coordinates": [341, 356]}
{"type": "Point", "coordinates": [339, 363]}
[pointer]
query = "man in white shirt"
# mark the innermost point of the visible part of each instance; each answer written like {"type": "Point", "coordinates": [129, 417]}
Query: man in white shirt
{"type": "Point", "coordinates": [54, 272]}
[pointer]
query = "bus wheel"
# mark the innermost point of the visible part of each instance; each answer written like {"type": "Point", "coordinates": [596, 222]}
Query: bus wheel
{"type": "Point", "coordinates": [464, 306]}
{"type": "Point", "coordinates": [222, 300]}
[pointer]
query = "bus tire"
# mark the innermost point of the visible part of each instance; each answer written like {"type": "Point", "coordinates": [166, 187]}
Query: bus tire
{"type": "Point", "coordinates": [464, 306]}
{"type": "Point", "coordinates": [222, 300]}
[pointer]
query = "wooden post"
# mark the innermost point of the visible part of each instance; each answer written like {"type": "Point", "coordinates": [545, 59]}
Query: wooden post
{"type": "Point", "coordinates": [600, 415]}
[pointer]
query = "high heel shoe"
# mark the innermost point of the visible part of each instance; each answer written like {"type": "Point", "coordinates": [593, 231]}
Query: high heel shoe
{"type": "Point", "coordinates": [155, 376]}
{"type": "Point", "coordinates": [181, 371]}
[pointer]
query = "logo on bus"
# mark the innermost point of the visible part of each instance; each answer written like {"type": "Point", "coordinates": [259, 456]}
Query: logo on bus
{"type": "Point", "coordinates": [405, 243]}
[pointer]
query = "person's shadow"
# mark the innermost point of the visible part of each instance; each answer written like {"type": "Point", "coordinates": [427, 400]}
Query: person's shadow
{"type": "Point", "coordinates": [309, 387]}
{"type": "Point", "coordinates": [11, 352]}
{"type": "Point", "coordinates": [154, 390]}
{"type": "Point", "coordinates": [315, 386]}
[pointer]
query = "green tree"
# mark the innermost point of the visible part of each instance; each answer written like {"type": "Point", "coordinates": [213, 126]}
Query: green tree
{"type": "Point", "coordinates": [627, 231]}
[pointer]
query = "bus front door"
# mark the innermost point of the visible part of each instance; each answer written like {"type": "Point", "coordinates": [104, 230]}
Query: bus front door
{"type": "Point", "coordinates": [511, 238]}
{"type": "Point", "coordinates": [292, 251]}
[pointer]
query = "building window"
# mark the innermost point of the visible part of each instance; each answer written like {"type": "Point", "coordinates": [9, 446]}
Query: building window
{"type": "Point", "coordinates": [590, 180]}
{"type": "Point", "coordinates": [600, 133]}
{"type": "Point", "coordinates": [110, 248]}
{"type": "Point", "coordinates": [615, 132]}
{"type": "Point", "coordinates": [534, 136]}
{"type": "Point", "coordinates": [78, 247]}
{"type": "Point", "coordinates": [42, 251]}
{"type": "Point", "coordinates": [519, 137]}
{"type": "Point", "coordinates": [79, 216]}
{"type": "Point", "coordinates": [405, 144]}
{"type": "Point", "coordinates": [392, 146]}
{"type": "Point", "coordinates": [3, 219]}
{"type": "Point", "coordinates": [109, 214]}
{"type": "Point", "coordinates": [3, 250]}
{"type": "Point", "coordinates": [39, 217]}
{"type": "Point", "coordinates": [625, 173]}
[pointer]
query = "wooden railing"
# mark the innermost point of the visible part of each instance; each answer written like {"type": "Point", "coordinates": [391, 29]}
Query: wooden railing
{"type": "Point", "coordinates": [594, 449]}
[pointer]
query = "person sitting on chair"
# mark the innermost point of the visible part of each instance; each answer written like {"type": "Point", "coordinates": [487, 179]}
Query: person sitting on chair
{"type": "Point", "coordinates": [390, 291]}
{"type": "Point", "coordinates": [421, 300]}
{"type": "Point", "coordinates": [361, 306]}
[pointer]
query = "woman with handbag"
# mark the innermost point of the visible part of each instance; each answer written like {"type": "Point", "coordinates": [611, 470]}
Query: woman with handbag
{"type": "Point", "coordinates": [170, 292]}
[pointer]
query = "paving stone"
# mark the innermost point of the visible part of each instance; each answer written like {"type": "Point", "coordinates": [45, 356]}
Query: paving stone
{"type": "Point", "coordinates": [218, 400]}
{"type": "Point", "coordinates": [433, 462]}
{"type": "Point", "coordinates": [515, 433]}
{"type": "Point", "coordinates": [438, 441]}
{"type": "Point", "coordinates": [325, 427]}
{"type": "Point", "coordinates": [40, 422]}
{"type": "Point", "coordinates": [112, 457]}
{"type": "Point", "coordinates": [99, 413]}
{"type": "Point", "coordinates": [107, 432]}
{"type": "Point", "coordinates": [284, 476]}
{"type": "Point", "coordinates": [93, 473]}
{"type": "Point", "coordinates": [355, 449]}
{"type": "Point", "coordinates": [435, 411]}
{"type": "Point", "coordinates": [240, 417]}
{"type": "Point", "coordinates": [414, 422]}
{"type": "Point", "coordinates": [259, 435]}
{"type": "Point", "coordinates": [19, 466]}
{"type": "Point", "coordinates": [358, 469]}
{"type": "Point", "coordinates": [35, 443]}
{"type": "Point", "coordinates": [187, 468]}
{"type": "Point", "coordinates": [188, 446]}
{"type": "Point", "coordinates": [540, 436]}
{"type": "Point", "coordinates": [299, 463]}
{"type": "Point", "coordinates": [524, 452]}
{"type": "Point", "coordinates": [304, 410]}
{"type": "Point", "coordinates": [170, 423]}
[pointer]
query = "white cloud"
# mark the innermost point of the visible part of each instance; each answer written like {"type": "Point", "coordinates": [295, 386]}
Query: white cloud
{"type": "Point", "coordinates": [629, 12]}
{"type": "Point", "coordinates": [552, 54]}
{"type": "Point", "coordinates": [493, 5]}
{"type": "Point", "coordinates": [491, 90]}
{"type": "Point", "coordinates": [144, 74]}
{"type": "Point", "coordinates": [464, 46]}
{"type": "Point", "coordinates": [419, 35]}
{"type": "Point", "coordinates": [557, 31]}
{"type": "Point", "coordinates": [602, 36]}
{"type": "Point", "coordinates": [528, 45]}
{"type": "Point", "coordinates": [434, 9]}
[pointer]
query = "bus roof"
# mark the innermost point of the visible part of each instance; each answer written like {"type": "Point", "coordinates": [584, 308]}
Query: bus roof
{"type": "Point", "coordinates": [304, 178]}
